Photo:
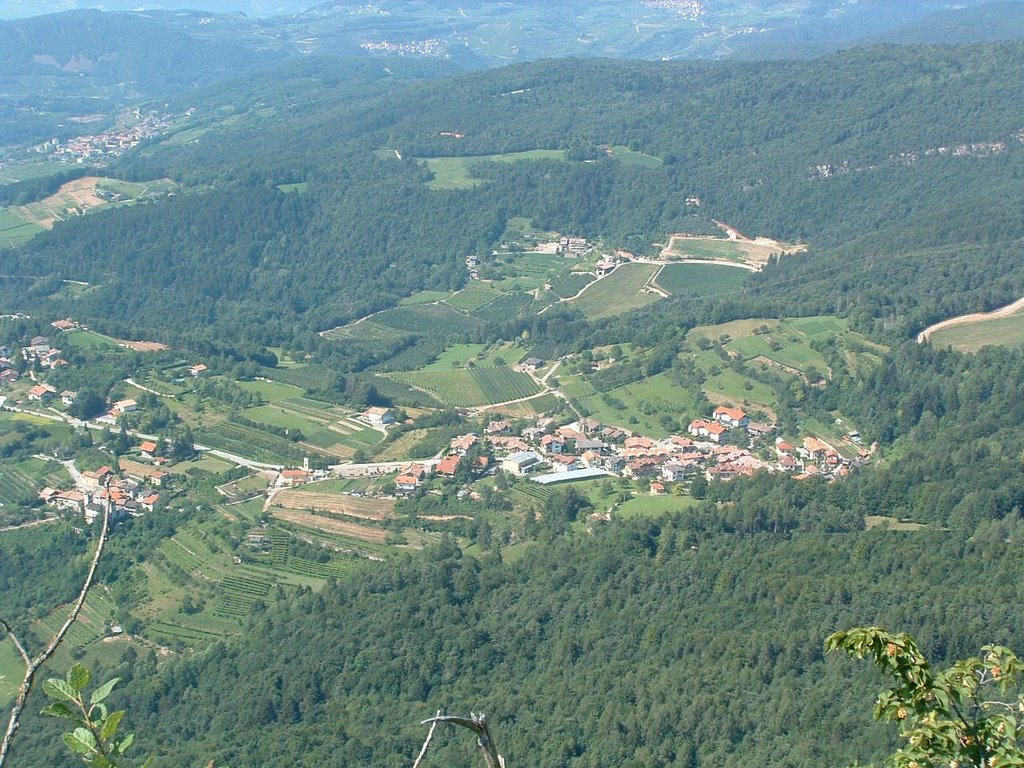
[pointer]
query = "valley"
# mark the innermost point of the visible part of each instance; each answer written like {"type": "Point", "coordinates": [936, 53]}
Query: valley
{"type": "Point", "coordinates": [573, 391]}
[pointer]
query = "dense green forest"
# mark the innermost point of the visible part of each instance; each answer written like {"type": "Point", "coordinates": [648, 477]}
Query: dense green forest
{"type": "Point", "coordinates": [725, 667]}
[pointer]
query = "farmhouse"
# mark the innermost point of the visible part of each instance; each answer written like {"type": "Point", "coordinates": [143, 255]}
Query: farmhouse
{"type": "Point", "coordinates": [41, 392]}
{"type": "Point", "coordinates": [68, 397]}
{"type": "Point", "coordinates": [125, 406]}
{"type": "Point", "coordinates": [148, 449]}
{"type": "Point", "coordinates": [292, 477]}
{"type": "Point", "coordinates": [65, 325]}
{"type": "Point", "coordinates": [197, 370]}
{"type": "Point", "coordinates": [378, 417]}
{"type": "Point", "coordinates": [407, 483]}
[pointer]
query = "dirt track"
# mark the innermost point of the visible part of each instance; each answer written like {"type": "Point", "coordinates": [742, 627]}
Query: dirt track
{"type": "Point", "coordinates": [976, 317]}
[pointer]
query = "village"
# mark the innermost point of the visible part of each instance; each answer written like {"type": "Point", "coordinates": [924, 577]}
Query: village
{"type": "Point", "coordinates": [724, 446]}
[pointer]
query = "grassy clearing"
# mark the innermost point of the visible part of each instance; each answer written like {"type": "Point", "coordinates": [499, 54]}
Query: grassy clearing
{"type": "Point", "coordinates": [455, 172]}
{"type": "Point", "coordinates": [655, 506]}
{"type": "Point", "coordinates": [627, 156]}
{"type": "Point", "coordinates": [87, 339]}
{"type": "Point", "coordinates": [970, 337]}
{"type": "Point", "coordinates": [702, 280]}
{"type": "Point", "coordinates": [469, 388]}
{"type": "Point", "coordinates": [456, 356]}
{"type": "Point", "coordinates": [296, 186]}
{"type": "Point", "coordinates": [620, 292]}
{"type": "Point", "coordinates": [272, 391]}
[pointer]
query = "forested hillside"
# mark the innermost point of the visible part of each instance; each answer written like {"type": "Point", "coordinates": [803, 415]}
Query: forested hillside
{"type": "Point", "coordinates": [844, 153]}
{"type": "Point", "coordinates": [648, 643]}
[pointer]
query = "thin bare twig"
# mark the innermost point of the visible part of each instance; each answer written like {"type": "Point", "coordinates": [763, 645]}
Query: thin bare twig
{"type": "Point", "coordinates": [33, 666]}
{"type": "Point", "coordinates": [478, 725]}
{"type": "Point", "coordinates": [17, 643]}
{"type": "Point", "coordinates": [426, 744]}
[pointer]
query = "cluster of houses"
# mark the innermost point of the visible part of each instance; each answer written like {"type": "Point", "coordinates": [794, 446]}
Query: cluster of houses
{"type": "Point", "coordinates": [112, 142]}
{"type": "Point", "coordinates": [130, 492]}
{"type": "Point", "coordinates": [548, 453]}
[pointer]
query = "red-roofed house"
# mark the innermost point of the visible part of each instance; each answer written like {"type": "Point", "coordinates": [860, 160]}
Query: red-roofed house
{"type": "Point", "coordinates": [292, 477]}
{"type": "Point", "coordinates": [148, 449]}
{"type": "Point", "coordinates": [731, 417]}
{"type": "Point", "coordinates": [449, 465]}
{"type": "Point", "coordinates": [713, 431]}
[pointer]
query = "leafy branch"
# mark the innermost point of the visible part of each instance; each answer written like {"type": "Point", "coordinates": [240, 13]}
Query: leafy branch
{"type": "Point", "coordinates": [94, 737]}
{"type": "Point", "coordinates": [32, 666]}
{"type": "Point", "coordinates": [964, 716]}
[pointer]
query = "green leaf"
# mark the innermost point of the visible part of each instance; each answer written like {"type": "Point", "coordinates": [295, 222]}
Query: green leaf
{"type": "Point", "coordinates": [78, 677]}
{"type": "Point", "coordinates": [58, 689]}
{"type": "Point", "coordinates": [59, 709]}
{"type": "Point", "coordinates": [103, 691]}
{"type": "Point", "coordinates": [125, 743]}
{"type": "Point", "coordinates": [109, 726]}
{"type": "Point", "coordinates": [77, 744]}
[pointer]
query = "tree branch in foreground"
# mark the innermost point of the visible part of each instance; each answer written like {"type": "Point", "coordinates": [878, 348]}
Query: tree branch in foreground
{"type": "Point", "coordinates": [32, 665]}
{"type": "Point", "coordinates": [478, 725]}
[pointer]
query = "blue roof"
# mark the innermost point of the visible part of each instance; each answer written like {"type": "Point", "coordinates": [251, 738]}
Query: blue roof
{"type": "Point", "coordinates": [571, 476]}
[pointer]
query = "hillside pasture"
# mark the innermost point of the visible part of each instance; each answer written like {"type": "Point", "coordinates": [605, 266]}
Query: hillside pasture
{"type": "Point", "coordinates": [455, 172]}
{"type": "Point", "coordinates": [970, 337]}
{"type": "Point", "coordinates": [619, 292]}
{"type": "Point", "coordinates": [473, 387]}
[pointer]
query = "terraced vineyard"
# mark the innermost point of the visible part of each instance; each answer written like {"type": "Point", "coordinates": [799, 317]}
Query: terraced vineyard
{"type": "Point", "coordinates": [252, 443]}
{"type": "Point", "coordinates": [617, 293]}
{"type": "Point", "coordinates": [282, 559]}
{"type": "Point", "coordinates": [469, 299]}
{"type": "Point", "coordinates": [469, 388]}
{"type": "Point", "coordinates": [305, 376]}
{"type": "Point", "coordinates": [239, 594]}
{"type": "Point", "coordinates": [337, 504]}
{"type": "Point", "coordinates": [15, 486]}
{"type": "Point", "coordinates": [570, 283]}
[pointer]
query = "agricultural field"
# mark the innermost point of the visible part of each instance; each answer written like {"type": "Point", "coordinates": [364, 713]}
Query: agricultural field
{"type": "Point", "coordinates": [641, 405]}
{"type": "Point", "coordinates": [244, 440]}
{"type": "Point", "coordinates": [526, 271]}
{"type": "Point", "coordinates": [785, 345]}
{"type": "Point", "coordinates": [644, 505]}
{"type": "Point", "coordinates": [627, 156]}
{"type": "Point", "coordinates": [755, 252]}
{"type": "Point", "coordinates": [473, 297]}
{"type": "Point", "coordinates": [702, 280]}
{"type": "Point", "coordinates": [473, 387]}
{"type": "Point", "coordinates": [15, 229]}
{"type": "Point", "coordinates": [404, 321]}
{"type": "Point", "coordinates": [23, 479]}
{"type": "Point", "coordinates": [480, 355]}
{"type": "Point", "coordinates": [970, 337]}
{"type": "Point", "coordinates": [81, 196]}
{"type": "Point", "coordinates": [618, 293]}
{"type": "Point", "coordinates": [568, 284]}
{"type": "Point", "coordinates": [360, 507]}
{"type": "Point", "coordinates": [331, 525]}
